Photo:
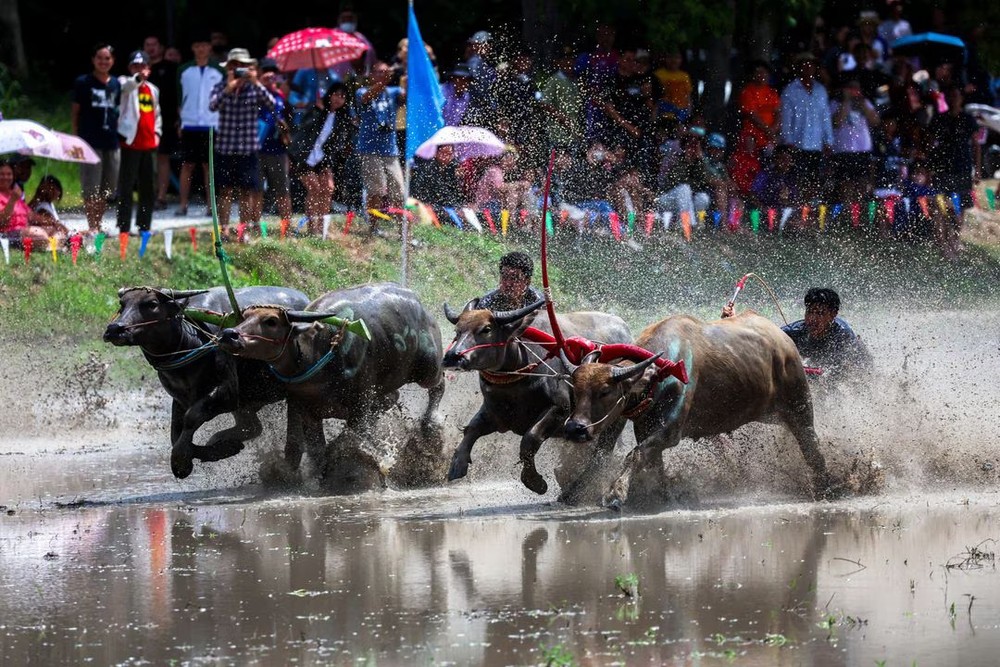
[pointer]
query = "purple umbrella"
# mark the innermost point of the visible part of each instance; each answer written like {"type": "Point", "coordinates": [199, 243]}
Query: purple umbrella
{"type": "Point", "coordinates": [469, 142]}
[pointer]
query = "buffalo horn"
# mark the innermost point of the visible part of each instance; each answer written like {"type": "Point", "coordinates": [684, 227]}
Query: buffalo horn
{"type": "Point", "coordinates": [621, 373]}
{"type": "Point", "coordinates": [471, 304]}
{"type": "Point", "coordinates": [450, 314]}
{"type": "Point", "coordinates": [570, 366]}
{"type": "Point", "coordinates": [591, 357]}
{"type": "Point", "coordinates": [307, 316]}
{"type": "Point", "coordinates": [508, 316]}
{"type": "Point", "coordinates": [177, 294]}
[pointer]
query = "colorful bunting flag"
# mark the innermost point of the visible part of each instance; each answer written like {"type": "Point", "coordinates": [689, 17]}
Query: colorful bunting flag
{"type": "Point", "coordinates": [489, 221]}
{"type": "Point", "coordinates": [616, 229]}
{"type": "Point", "coordinates": [194, 239]}
{"type": "Point", "coordinates": [631, 223]}
{"type": "Point", "coordinates": [650, 219]}
{"type": "Point", "coordinates": [755, 220]}
{"type": "Point", "coordinates": [548, 223]}
{"type": "Point", "coordinates": [283, 228]}
{"type": "Point", "coordinates": [26, 243]}
{"type": "Point", "coordinates": [144, 237]}
{"type": "Point", "coordinates": [771, 215]}
{"type": "Point", "coordinates": [453, 214]}
{"type": "Point", "coordinates": [74, 247]}
{"type": "Point", "coordinates": [326, 225]}
{"type": "Point", "coordinates": [349, 218]}
{"type": "Point", "coordinates": [991, 197]}
{"type": "Point", "coordinates": [122, 245]}
{"type": "Point", "coordinates": [855, 214]}
{"type": "Point", "coordinates": [686, 224]}
{"type": "Point", "coordinates": [5, 245]}
{"type": "Point", "coordinates": [786, 213]}
{"type": "Point", "coordinates": [99, 242]}
{"type": "Point", "coordinates": [667, 217]}
{"type": "Point", "coordinates": [168, 242]}
{"type": "Point", "coordinates": [472, 219]}
{"type": "Point", "coordinates": [54, 249]}
{"type": "Point", "coordinates": [822, 217]}
{"type": "Point", "coordinates": [504, 221]}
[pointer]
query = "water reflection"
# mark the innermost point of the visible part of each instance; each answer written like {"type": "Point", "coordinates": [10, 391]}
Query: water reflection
{"type": "Point", "coordinates": [403, 579]}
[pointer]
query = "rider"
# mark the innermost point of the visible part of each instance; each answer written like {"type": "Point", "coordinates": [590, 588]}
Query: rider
{"type": "Point", "coordinates": [824, 339]}
{"type": "Point", "coordinates": [515, 290]}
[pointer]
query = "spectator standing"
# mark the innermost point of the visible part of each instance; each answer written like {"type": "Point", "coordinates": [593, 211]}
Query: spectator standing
{"type": "Point", "coordinates": [376, 142]}
{"type": "Point", "coordinates": [895, 26]}
{"type": "Point", "coordinates": [94, 118]}
{"type": "Point", "coordinates": [139, 126]}
{"type": "Point", "coordinates": [163, 75]}
{"type": "Point", "coordinates": [482, 107]}
{"type": "Point", "coordinates": [563, 104]}
{"type": "Point", "coordinates": [675, 85]}
{"type": "Point", "coordinates": [854, 118]}
{"type": "Point", "coordinates": [238, 99]}
{"type": "Point", "coordinates": [457, 95]}
{"type": "Point", "coordinates": [347, 21]}
{"type": "Point", "coordinates": [806, 123]}
{"type": "Point", "coordinates": [759, 109]}
{"type": "Point", "coordinates": [196, 79]}
{"type": "Point", "coordinates": [777, 184]}
{"type": "Point", "coordinates": [306, 88]}
{"type": "Point", "coordinates": [275, 135]}
{"type": "Point", "coordinates": [320, 147]}
{"type": "Point", "coordinates": [868, 25]}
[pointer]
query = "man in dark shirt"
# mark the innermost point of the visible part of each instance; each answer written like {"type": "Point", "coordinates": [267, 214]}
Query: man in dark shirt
{"type": "Point", "coordinates": [825, 340]}
{"type": "Point", "coordinates": [515, 289]}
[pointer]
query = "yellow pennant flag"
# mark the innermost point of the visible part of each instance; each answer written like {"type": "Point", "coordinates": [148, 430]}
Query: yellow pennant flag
{"type": "Point", "coordinates": [379, 214]}
{"type": "Point", "coordinates": [822, 217]}
{"type": "Point", "coordinates": [504, 221]}
{"type": "Point", "coordinates": [941, 204]}
{"type": "Point", "coordinates": [701, 218]}
{"type": "Point", "coordinates": [53, 248]}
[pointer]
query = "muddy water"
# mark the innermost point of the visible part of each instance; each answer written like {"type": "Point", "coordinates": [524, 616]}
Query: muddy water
{"type": "Point", "coordinates": [104, 558]}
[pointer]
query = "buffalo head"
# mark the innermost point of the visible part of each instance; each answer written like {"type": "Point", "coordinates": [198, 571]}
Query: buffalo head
{"type": "Point", "coordinates": [481, 336]}
{"type": "Point", "coordinates": [600, 392]}
{"type": "Point", "coordinates": [141, 310]}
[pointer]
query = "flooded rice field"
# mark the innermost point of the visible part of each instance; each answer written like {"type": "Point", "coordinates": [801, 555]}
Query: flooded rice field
{"type": "Point", "coordinates": [105, 558]}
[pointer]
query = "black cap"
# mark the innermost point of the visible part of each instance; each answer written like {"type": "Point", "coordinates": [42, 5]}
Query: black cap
{"type": "Point", "coordinates": [268, 65]}
{"type": "Point", "coordinates": [138, 58]}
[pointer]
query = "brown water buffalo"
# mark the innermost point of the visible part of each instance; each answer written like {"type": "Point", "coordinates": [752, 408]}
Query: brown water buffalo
{"type": "Point", "coordinates": [520, 394]}
{"type": "Point", "coordinates": [330, 372]}
{"type": "Point", "coordinates": [203, 381]}
{"type": "Point", "coordinates": [742, 369]}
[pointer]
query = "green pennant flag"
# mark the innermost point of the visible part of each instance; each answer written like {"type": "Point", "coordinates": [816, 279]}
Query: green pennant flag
{"type": "Point", "coordinates": [631, 223]}
{"type": "Point", "coordinates": [991, 197]}
{"type": "Point", "coordinates": [871, 211]}
{"type": "Point", "coordinates": [99, 242]}
{"type": "Point", "coordinates": [263, 229]}
{"type": "Point", "coordinates": [754, 220]}
{"type": "Point", "coordinates": [548, 223]}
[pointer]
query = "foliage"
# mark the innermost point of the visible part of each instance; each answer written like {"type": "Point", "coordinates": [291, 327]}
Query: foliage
{"type": "Point", "coordinates": [558, 656]}
{"type": "Point", "coordinates": [12, 98]}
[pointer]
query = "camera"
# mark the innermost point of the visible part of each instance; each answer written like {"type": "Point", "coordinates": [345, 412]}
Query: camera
{"type": "Point", "coordinates": [242, 72]}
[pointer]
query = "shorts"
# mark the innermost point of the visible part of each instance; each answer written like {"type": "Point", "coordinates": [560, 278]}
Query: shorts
{"type": "Point", "coordinates": [100, 180]}
{"type": "Point", "coordinates": [238, 171]}
{"type": "Point", "coordinates": [168, 142]}
{"type": "Point", "coordinates": [382, 175]}
{"type": "Point", "coordinates": [194, 146]}
{"type": "Point", "coordinates": [274, 172]}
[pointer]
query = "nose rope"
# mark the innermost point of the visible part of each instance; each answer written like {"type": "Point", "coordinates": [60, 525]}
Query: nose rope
{"type": "Point", "coordinates": [613, 406]}
{"type": "Point", "coordinates": [282, 341]}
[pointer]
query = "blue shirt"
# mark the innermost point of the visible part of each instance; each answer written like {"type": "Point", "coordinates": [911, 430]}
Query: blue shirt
{"type": "Point", "coordinates": [267, 127]}
{"type": "Point", "coordinates": [377, 132]}
{"type": "Point", "coordinates": [840, 352]}
{"type": "Point", "coordinates": [805, 117]}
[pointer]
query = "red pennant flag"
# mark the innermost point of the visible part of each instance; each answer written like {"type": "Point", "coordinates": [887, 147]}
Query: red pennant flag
{"type": "Point", "coordinates": [27, 242]}
{"type": "Point", "coordinates": [122, 245]}
{"type": "Point", "coordinates": [924, 206]}
{"type": "Point", "coordinates": [650, 219]}
{"type": "Point", "coordinates": [734, 218]}
{"type": "Point", "coordinates": [686, 224]}
{"type": "Point", "coordinates": [890, 209]}
{"type": "Point", "coordinates": [563, 217]}
{"type": "Point", "coordinates": [855, 214]}
{"type": "Point", "coordinates": [284, 228]}
{"type": "Point", "coordinates": [975, 199]}
{"type": "Point", "coordinates": [194, 239]}
{"type": "Point", "coordinates": [524, 217]}
{"type": "Point", "coordinates": [241, 230]}
{"type": "Point", "coordinates": [348, 221]}
{"type": "Point", "coordinates": [805, 215]}
{"type": "Point", "coordinates": [489, 220]}
{"type": "Point", "coordinates": [74, 246]}
{"type": "Point", "coordinates": [616, 228]}
{"type": "Point", "coordinates": [771, 215]}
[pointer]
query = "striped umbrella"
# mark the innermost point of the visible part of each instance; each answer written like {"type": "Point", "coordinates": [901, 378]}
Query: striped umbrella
{"type": "Point", "coordinates": [316, 48]}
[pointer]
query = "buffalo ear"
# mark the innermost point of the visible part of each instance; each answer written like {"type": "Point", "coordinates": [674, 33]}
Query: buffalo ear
{"type": "Point", "coordinates": [517, 327]}
{"type": "Point", "coordinates": [471, 304]}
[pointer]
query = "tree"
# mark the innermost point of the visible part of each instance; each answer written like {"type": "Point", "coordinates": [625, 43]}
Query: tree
{"type": "Point", "coordinates": [11, 43]}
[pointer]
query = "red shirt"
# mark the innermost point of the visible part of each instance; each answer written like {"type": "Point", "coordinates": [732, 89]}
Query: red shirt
{"type": "Point", "coordinates": [764, 101]}
{"type": "Point", "coordinates": [145, 135]}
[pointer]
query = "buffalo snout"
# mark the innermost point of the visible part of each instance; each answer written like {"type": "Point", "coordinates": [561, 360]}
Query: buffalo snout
{"type": "Point", "coordinates": [454, 360]}
{"type": "Point", "coordinates": [230, 339]}
{"type": "Point", "coordinates": [577, 431]}
{"type": "Point", "coordinates": [115, 334]}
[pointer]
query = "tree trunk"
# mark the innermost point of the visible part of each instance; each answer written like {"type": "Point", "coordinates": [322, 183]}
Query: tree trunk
{"type": "Point", "coordinates": [11, 42]}
{"type": "Point", "coordinates": [717, 75]}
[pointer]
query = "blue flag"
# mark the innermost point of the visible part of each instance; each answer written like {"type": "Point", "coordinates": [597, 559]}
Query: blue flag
{"type": "Point", "coordinates": [424, 99]}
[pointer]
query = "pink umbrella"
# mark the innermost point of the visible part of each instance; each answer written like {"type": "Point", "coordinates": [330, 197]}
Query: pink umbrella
{"type": "Point", "coordinates": [316, 48]}
{"type": "Point", "coordinates": [65, 147]}
{"type": "Point", "coordinates": [469, 142]}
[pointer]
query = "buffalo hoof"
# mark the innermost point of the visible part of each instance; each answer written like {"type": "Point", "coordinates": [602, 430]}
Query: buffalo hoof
{"type": "Point", "coordinates": [353, 472]}
{"type": "Point", "coordinates": [218, 450]}
{"type": "Point", "coordinates": [531, 479]}
{"type": "Point", "coordinates": [419, 463]}
{"type": "Point", "coordinates": [276, 471]}
{"type": "Point", "coordinates": [613, 503]}
{"type": "Point", "coordinates": [181, 463]}
{"type": "Point", "coordinates": [459, 467]}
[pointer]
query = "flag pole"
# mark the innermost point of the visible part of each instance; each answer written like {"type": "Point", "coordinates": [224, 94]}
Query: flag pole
{"type": "Point", "coordinates": [404, 257]}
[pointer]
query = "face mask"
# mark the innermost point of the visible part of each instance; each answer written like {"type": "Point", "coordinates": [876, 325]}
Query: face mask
{"type": "Point", "coordinates": [348, 26]}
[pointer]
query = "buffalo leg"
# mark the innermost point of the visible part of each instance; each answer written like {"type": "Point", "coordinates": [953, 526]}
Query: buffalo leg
{"type": "Point", "coordinates": [531, 441]}
{"type": "Point", "coordinates": [431, 420]}
{"type": "Point", "coordinates": [351, 469]}
{"type": "Point", "coordinates": [480, 425]}
{"type": "Point", "coordinates": [284, 470]}
{"type": "Point", "coordinates": [176, 421]}
{"type": "Point", "coordinates": [575, 486]}
{"type": "Point", "coordinates": [182, 454]}
{"type": "Point", "coordinates": [228, 443]}
{"type": "Point", "coordinates": [315, 443]}
{"type": "Point", "coordinates": [646, 457]}
{"type": "Point", "coordinates": [800, 422]}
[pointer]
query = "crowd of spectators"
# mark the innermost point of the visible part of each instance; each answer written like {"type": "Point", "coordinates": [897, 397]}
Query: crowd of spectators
{"type": "Point", "coordinates": [840, 122]}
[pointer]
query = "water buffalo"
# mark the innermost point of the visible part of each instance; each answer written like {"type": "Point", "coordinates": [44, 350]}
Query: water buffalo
{"type": "Point", "coordinates": [203, 381]}
{"type": "Point", "coordinates": [742, 369]}
{"type": "Point", "coordinates": [330, 372]}
{"type": "Point", "coordinates": [520, 394]}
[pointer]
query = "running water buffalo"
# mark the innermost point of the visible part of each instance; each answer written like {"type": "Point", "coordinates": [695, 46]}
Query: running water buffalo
{"type": "Point", "coordinates": [521, 392]}
{"type": "Point", "coordinates": [203, 381]}
{"type": "Point", "coordinates": [330, 372]}
{"type": "Point", "coordinates": [742, 369]}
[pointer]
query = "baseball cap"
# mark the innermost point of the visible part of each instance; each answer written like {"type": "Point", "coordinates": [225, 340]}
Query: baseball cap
{"type": "Point", "coordinates": [138, 58]}
{"type": "Point", "coordinates": [268, 65]}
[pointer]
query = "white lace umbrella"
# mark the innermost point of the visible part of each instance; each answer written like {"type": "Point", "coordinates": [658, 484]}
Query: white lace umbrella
{"type": "Point", "coordinates": [468, 141]}
{"type": "Point", "coordinates": [21, 135]}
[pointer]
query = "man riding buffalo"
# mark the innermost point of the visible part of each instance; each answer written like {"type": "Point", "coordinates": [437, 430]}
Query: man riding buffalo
{"type": "Point", "coordinates": [515, 290]}
{"type": "Point", "coordinates": [825, 339]}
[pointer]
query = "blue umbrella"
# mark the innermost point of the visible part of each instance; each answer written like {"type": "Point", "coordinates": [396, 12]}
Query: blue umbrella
{"type": "Point", "coordinates": [930, 46]}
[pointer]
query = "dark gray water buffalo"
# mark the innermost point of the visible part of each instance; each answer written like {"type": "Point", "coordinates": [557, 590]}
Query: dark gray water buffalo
{"type": "Point", "coordinates": [203, 381]}
{"type": "Point", "coordinates": [741, 369]}
{"type": "Point", "coordinates": [520, 394]}
{"type": "Point", "coordinates": [330, 372]}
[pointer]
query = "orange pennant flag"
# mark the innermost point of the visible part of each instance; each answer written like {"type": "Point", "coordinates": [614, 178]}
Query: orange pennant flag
{"type": "Point", "coordinates": [122, 244]}
{"type": "Point", "coordinates": [924, 206]}
{"type": "Point", "coordinates": [686, 224]}
{"type": "Point", "coordinates": [194, 239]}
{"type": "Point", "coordinates": [284, 227]}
